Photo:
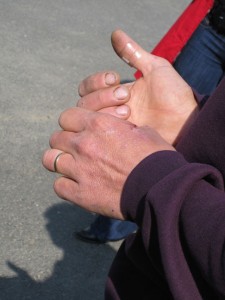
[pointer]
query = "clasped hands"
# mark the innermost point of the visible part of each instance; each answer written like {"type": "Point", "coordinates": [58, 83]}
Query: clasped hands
{"type": "Point", "coordinates": [116, 126]}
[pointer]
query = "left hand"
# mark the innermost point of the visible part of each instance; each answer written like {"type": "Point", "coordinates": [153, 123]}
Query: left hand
{"type": "Point", "coordinates": [160, 99]}
{"type": "Point", "coordinates": [99, 152]}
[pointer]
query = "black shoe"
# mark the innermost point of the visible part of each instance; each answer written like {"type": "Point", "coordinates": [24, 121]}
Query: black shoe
{"type": "Point", "coordinates": [105, 229]}
{"type": "Point", "coordinates": [86, 235]}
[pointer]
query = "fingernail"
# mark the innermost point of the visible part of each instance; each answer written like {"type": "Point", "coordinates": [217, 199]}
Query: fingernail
{"type": "Point", "coordinates": [121, 93]}
{"type": "Point", "coordinates": [110, 78]}
{"type": "Point", "coordinates": [122, 110]}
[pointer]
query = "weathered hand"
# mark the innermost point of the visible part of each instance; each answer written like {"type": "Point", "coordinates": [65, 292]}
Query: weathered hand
{"type": "Point", "coordinates": [99, 152]}
{"type": "Point", "coordinates": [160, 99]}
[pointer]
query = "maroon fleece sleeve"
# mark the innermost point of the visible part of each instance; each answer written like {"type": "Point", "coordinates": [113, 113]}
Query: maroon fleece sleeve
{"type": "Point", "coordinates": [178, 201]}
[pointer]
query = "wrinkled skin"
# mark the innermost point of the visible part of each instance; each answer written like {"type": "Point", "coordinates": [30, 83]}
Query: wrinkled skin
{"type": "Point", "coordinates": [98, 150]}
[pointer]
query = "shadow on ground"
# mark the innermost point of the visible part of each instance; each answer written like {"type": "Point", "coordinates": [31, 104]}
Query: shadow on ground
{"type": "Point", "coordinates": [81, 272]}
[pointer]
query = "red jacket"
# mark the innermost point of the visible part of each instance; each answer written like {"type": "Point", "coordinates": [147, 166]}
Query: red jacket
{"type": "Point", "coordinates": [180, 32]}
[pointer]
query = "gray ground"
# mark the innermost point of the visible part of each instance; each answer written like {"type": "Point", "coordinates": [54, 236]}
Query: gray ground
{"type": "Point", "coordinates": [47, 47]}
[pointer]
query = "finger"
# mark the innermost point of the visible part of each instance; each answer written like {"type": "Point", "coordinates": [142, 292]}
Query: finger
{"type": "Point", "coordinates": [105, 98]}
{"type": "Point", "coordinates": [122, 111]}
{"type": "Point", "coordinates": [65, 163]}
{"type": "Point", "coordinates": [49, 158]}
{"type": "Point", "coordinates": [66, 189]}
{"type": "Point", "coordinates": [63, 141]}
{"type": "Point", "coordinates": [98, 81]}
{"type": "Point", "coordinates": [74, 119]}
{"type": "Point", "coordinates": [132, 53]}
{"type": "Point", "coordinates": [70, 190]}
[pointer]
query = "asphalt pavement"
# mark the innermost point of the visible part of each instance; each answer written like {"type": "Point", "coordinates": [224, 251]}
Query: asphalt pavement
{"type": "Point", "coordinates": [46, 48]}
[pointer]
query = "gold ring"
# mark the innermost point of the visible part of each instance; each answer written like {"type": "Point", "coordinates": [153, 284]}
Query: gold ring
{"type": "Point", "coordinates": [55, 162]}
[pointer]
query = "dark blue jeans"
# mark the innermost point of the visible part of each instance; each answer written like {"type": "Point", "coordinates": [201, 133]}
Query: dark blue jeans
{"type": "Point", "coordinates": [202, 61]}
{"type": "Point", "coordinates": [107, 229]}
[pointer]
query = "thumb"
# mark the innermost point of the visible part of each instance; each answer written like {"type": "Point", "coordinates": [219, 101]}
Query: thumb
{"type": "Point", "coordinates": [132, 53]}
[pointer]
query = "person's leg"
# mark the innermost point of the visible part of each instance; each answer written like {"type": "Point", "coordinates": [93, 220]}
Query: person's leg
{"type": "Point", "coordinates": [201, 61]}
{"type": "Point", "coordinates": [105, 229]}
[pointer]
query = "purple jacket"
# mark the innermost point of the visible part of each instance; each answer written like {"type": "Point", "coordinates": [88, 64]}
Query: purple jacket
{"type": "Point", "coordinates": [178, 201]}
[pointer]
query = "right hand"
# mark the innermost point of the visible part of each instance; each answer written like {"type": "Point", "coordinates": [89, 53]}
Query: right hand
{"type": "Point", "coordinates": [99, 152]}
{"type": "Point", "coordinates": [160, 99]}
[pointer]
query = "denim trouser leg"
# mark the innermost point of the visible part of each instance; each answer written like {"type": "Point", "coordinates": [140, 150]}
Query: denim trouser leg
{"type": "Point", "coordinates": [111, 229]}
{"type": "Point", "coordinates": [201, 62]}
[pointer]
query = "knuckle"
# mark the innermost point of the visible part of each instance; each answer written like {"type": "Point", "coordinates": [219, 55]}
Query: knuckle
{"type": "Point", "coordinates": [97, 121]}
{"type": "Point", "coordinates": [83, 145]}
